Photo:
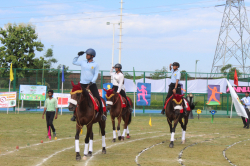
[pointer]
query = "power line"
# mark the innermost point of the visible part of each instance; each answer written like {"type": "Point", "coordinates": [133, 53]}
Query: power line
{"type": "Point", "coordinates": [110, 10]}
{"type": "Point", "coordinates": [44, 4]}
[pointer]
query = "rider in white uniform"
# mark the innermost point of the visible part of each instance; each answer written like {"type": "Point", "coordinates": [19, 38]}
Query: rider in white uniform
{"type": "Point", "coordinates": [118, 82]}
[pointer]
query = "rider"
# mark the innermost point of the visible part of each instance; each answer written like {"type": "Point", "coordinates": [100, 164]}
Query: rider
{"type": "Point", "coordinates": [89, 74]}
{"type": "Point", "coordinates": [118, 82]}
{"type": "Point", "coordinates": [174, 87]}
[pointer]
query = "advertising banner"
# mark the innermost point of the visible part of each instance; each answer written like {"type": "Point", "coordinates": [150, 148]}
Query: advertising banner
{"type": "Point", "coordinates": [213, 95]}
{"type": "Point", "coordinates": [144, 93]}
{"type": "Point", "coordinates": [7, 99]}
{"type": "Point", "coordinates": [32, 92]}
{"type": "Point", "coordinates": [62, 99]}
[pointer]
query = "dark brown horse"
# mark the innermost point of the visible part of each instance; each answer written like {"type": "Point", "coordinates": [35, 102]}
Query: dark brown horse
{"type": "Point", "coordinates": [86, 114]}
{"type": "Point", "coordinates": [174, 113]}
{"type": "Point", "coordinates": [116, 111]}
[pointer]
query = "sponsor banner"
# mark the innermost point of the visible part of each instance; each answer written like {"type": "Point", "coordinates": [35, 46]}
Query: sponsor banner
{"type": "Point", "coordinates": [62, 99]}
{"type": "Point", "coordinates": [143, 94]}
{"type": "Point", "coordinates": [7, 99]}
{"type": "Point", "coordinates": [32, 92]}
{"type": "Point", "coordinates": [240, 89]}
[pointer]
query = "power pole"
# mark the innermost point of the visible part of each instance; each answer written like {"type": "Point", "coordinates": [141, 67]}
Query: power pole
{"type": "Point", "coordinates": [234, 38]}
{"type": "Point", "coordinates": [120, 40]}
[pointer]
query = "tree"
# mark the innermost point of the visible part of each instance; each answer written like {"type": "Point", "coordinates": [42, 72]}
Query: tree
{"type": "Point", "coordinates": [160, 74]}
{"type": "Point", "coordinates": [183, 75]}
{"type": "Point", "coordinates": [229, 69]}
{"type": "Point", "coordinates": [19, 43]}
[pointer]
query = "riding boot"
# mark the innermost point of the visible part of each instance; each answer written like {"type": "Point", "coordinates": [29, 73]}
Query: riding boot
{"type": "Point", "coordinates": [73, 117]}
{"type": "Point", "coordinates": [163, 111]}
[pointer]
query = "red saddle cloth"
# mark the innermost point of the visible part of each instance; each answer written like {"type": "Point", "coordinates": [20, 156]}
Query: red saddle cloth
{"type": "Point", "coordinates": [123, 103]}
{"type": "Point", "coordinates": [96, 103]}
{"type": "Point", "coordinates": [185, 101]}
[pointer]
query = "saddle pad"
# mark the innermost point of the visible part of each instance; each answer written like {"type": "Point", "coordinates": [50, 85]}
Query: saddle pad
{"type": "Point", "coordinates": [187, 105]}
{"type": "Point", "coordinates": [122, 103]}
{"type": "Point", "coordinates": [94, 103]}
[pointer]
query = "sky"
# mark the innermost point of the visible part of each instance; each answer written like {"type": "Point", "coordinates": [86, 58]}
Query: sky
{"type": "Point", "coordinates": [155, 33]}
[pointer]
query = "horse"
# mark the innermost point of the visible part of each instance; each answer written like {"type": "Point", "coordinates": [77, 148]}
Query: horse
{"type": "Point", "coordinates": [86, 114]}
{"type": "Point", "coordinates": [114, 105]}
{"type": "Point", "coordinates": [174, 113]}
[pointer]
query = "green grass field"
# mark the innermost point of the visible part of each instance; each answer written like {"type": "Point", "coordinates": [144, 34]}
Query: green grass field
{"type": "Point", "coordinates": [211, 138]}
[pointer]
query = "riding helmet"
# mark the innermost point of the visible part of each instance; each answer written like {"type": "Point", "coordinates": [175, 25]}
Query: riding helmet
{"type": "Point", "coordinates": [91, 51]}
{"type": "Point", "coordinates": [118, 65]}
{"type": "Point", "coordinates": [176, 64]}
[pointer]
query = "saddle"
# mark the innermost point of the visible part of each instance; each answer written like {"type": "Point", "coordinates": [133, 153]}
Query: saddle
{"type": "Point", "coordinates": [185, 104]}
{"type": "Point", "coordinates": [124, 102]}
{"type": "Point", "coordinates": [96, 103]}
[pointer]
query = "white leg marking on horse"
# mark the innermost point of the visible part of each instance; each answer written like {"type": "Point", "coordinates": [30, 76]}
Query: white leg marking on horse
{"type": "Point", "coordinates": [119, 133]}
{"type": "Point", "coordinates": [127, 130]}
{"type": "Point", "coordinates": [183, 135]}
{"type": "Point", "coordinates": [86, 149]}
{"type": "Point", "coordinates": [77, 146]}
{"type": "Point", "coordinates": [114, 134]}
{"type": "Point", "coordinates": [172, 136]}
{"type": "Point", "coordinates": [91, 145]}
{"type": "Point", "coordinates": [103, 141]}
{"type": "Point", "coordinates": [124, 131]}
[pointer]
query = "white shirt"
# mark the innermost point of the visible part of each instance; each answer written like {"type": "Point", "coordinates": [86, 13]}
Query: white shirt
{"type": "Point", "coordinates": [118, 79]}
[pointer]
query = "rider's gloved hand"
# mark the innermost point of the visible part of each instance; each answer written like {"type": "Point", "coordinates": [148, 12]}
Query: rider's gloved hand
{"type": "Point", "coordinates": [81, 53]}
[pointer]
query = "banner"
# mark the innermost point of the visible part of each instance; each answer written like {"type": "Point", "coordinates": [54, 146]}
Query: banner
{"type": "Point", "coordinates": [240, 89]}
{"type": "Point", "coordinates": [237, 104]}
{"type": "Point", "coordinates": [106, 86]}
{"type": "Point", "coordinates": [32, 92]}
{"type": "Point", "coordinates": [213, 95]}
{"type": "Point", "coordinates": [143, 94]}
{"type": "Point", "coordinates": [62, 99]}
{"type": "Point", "coordinates": [7, 99]}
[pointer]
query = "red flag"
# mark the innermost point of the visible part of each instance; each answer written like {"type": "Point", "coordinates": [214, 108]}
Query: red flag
{"type": "Point", "coordinates": [235, 78]}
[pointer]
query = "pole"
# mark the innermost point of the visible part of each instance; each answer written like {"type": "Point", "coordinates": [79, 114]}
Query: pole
{"type": "Point", "coordinates": [144, 82]}
{"type": "Point", "coordinates": [134, 97]}
{"type": "Point", "coordinates": [231, 109]}
{"type": "Point", "coordinates": [61, 98]}
{"type": "Point", "coordinates": [120, 41]}
{"type": "Point", "coordinates": [196, 67]}
{"type": "Point", "coordinates": [9, 91]}
{"type": "Point", "coordinates": [113, 50]}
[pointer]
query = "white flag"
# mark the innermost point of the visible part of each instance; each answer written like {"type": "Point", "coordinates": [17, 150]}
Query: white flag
{"type": "Point", "coordinates": [237, 104]}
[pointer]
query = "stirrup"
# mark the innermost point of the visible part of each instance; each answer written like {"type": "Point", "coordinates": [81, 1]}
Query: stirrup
{"type": "Point", "coordinates": [104, 117]}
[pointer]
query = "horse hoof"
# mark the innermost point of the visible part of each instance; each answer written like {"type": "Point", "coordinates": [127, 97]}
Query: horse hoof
{"type": "Point", "coordinates": [119, 138]}
{"type": "Point", "coordinates": [183, 141]}
{"type": "Point", "coordinates": [128, 137]}
{"type": "Point", "coordinates": [89, 154]}
{"type": "Point", "coordinates": [84, 157]}
{"type": "Point", "coordinates": [122, 138]}
{"type": "Point", "coordinates": [104, 151]}
{"type": "Point", "coordinates": [113, 140]}
{"type": "Point", "coordinates": [78, 157]}
{"type": "Point", "coordinates": [171, 145]}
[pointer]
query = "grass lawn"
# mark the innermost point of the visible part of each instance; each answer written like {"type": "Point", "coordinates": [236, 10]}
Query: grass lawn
{"type": "Point", "coordinates": [27, 131]}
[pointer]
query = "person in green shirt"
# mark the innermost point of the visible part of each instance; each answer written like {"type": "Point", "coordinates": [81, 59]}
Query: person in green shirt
{"type": "Point", "coordinates": [49, 107]}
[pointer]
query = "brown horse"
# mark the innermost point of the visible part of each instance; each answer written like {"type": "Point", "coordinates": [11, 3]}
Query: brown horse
{"type": "Point", "coordinates": [86, 114]}
{"type": "Point", "coordinates": [114, 104]}
{"type": "Point", "coordinates": [174, 113]}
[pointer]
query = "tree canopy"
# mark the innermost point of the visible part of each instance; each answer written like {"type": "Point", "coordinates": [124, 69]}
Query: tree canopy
{"type": "Point", "coordinates": [230, 69]}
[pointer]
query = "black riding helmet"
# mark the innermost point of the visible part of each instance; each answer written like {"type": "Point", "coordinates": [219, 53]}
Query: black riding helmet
{"type": "Point", "coordinates": [176, 64]}
{"type": "Point", "coordinates": [118, 65]}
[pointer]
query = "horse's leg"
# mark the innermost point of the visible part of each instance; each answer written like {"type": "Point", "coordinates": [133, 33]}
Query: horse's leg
{"type": "Point", "coordinates": [118, 128]}
{"type": "Point", "coordinates": [171, 145]}
{"type": "Point", "coordinates": [125, 119]}
{"type": "Point", "coordinates": [128, 133]}
{"type": "Point", "coordinates": [183, 140]}
{"type": "Point", "coordinates": [114, 133]}
{"type": "Point", "coordinates": [91, 144]}
{"type": "Point", "coordinates": [102, 126]}
{"type": "Point", "coordinates": [77, 148]}
{"type": "Point", "coordinates": [89, 131]}
{"type": "Point", "coordinates": [184, 129]}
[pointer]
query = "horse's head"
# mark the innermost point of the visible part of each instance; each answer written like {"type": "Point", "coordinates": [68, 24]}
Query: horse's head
{"type": "Point", "coordinates": [110, 97]}
{"type": "Point", "coordinates": [177, 103]}
{"type": "Point", "coordinates": [75, 96]}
